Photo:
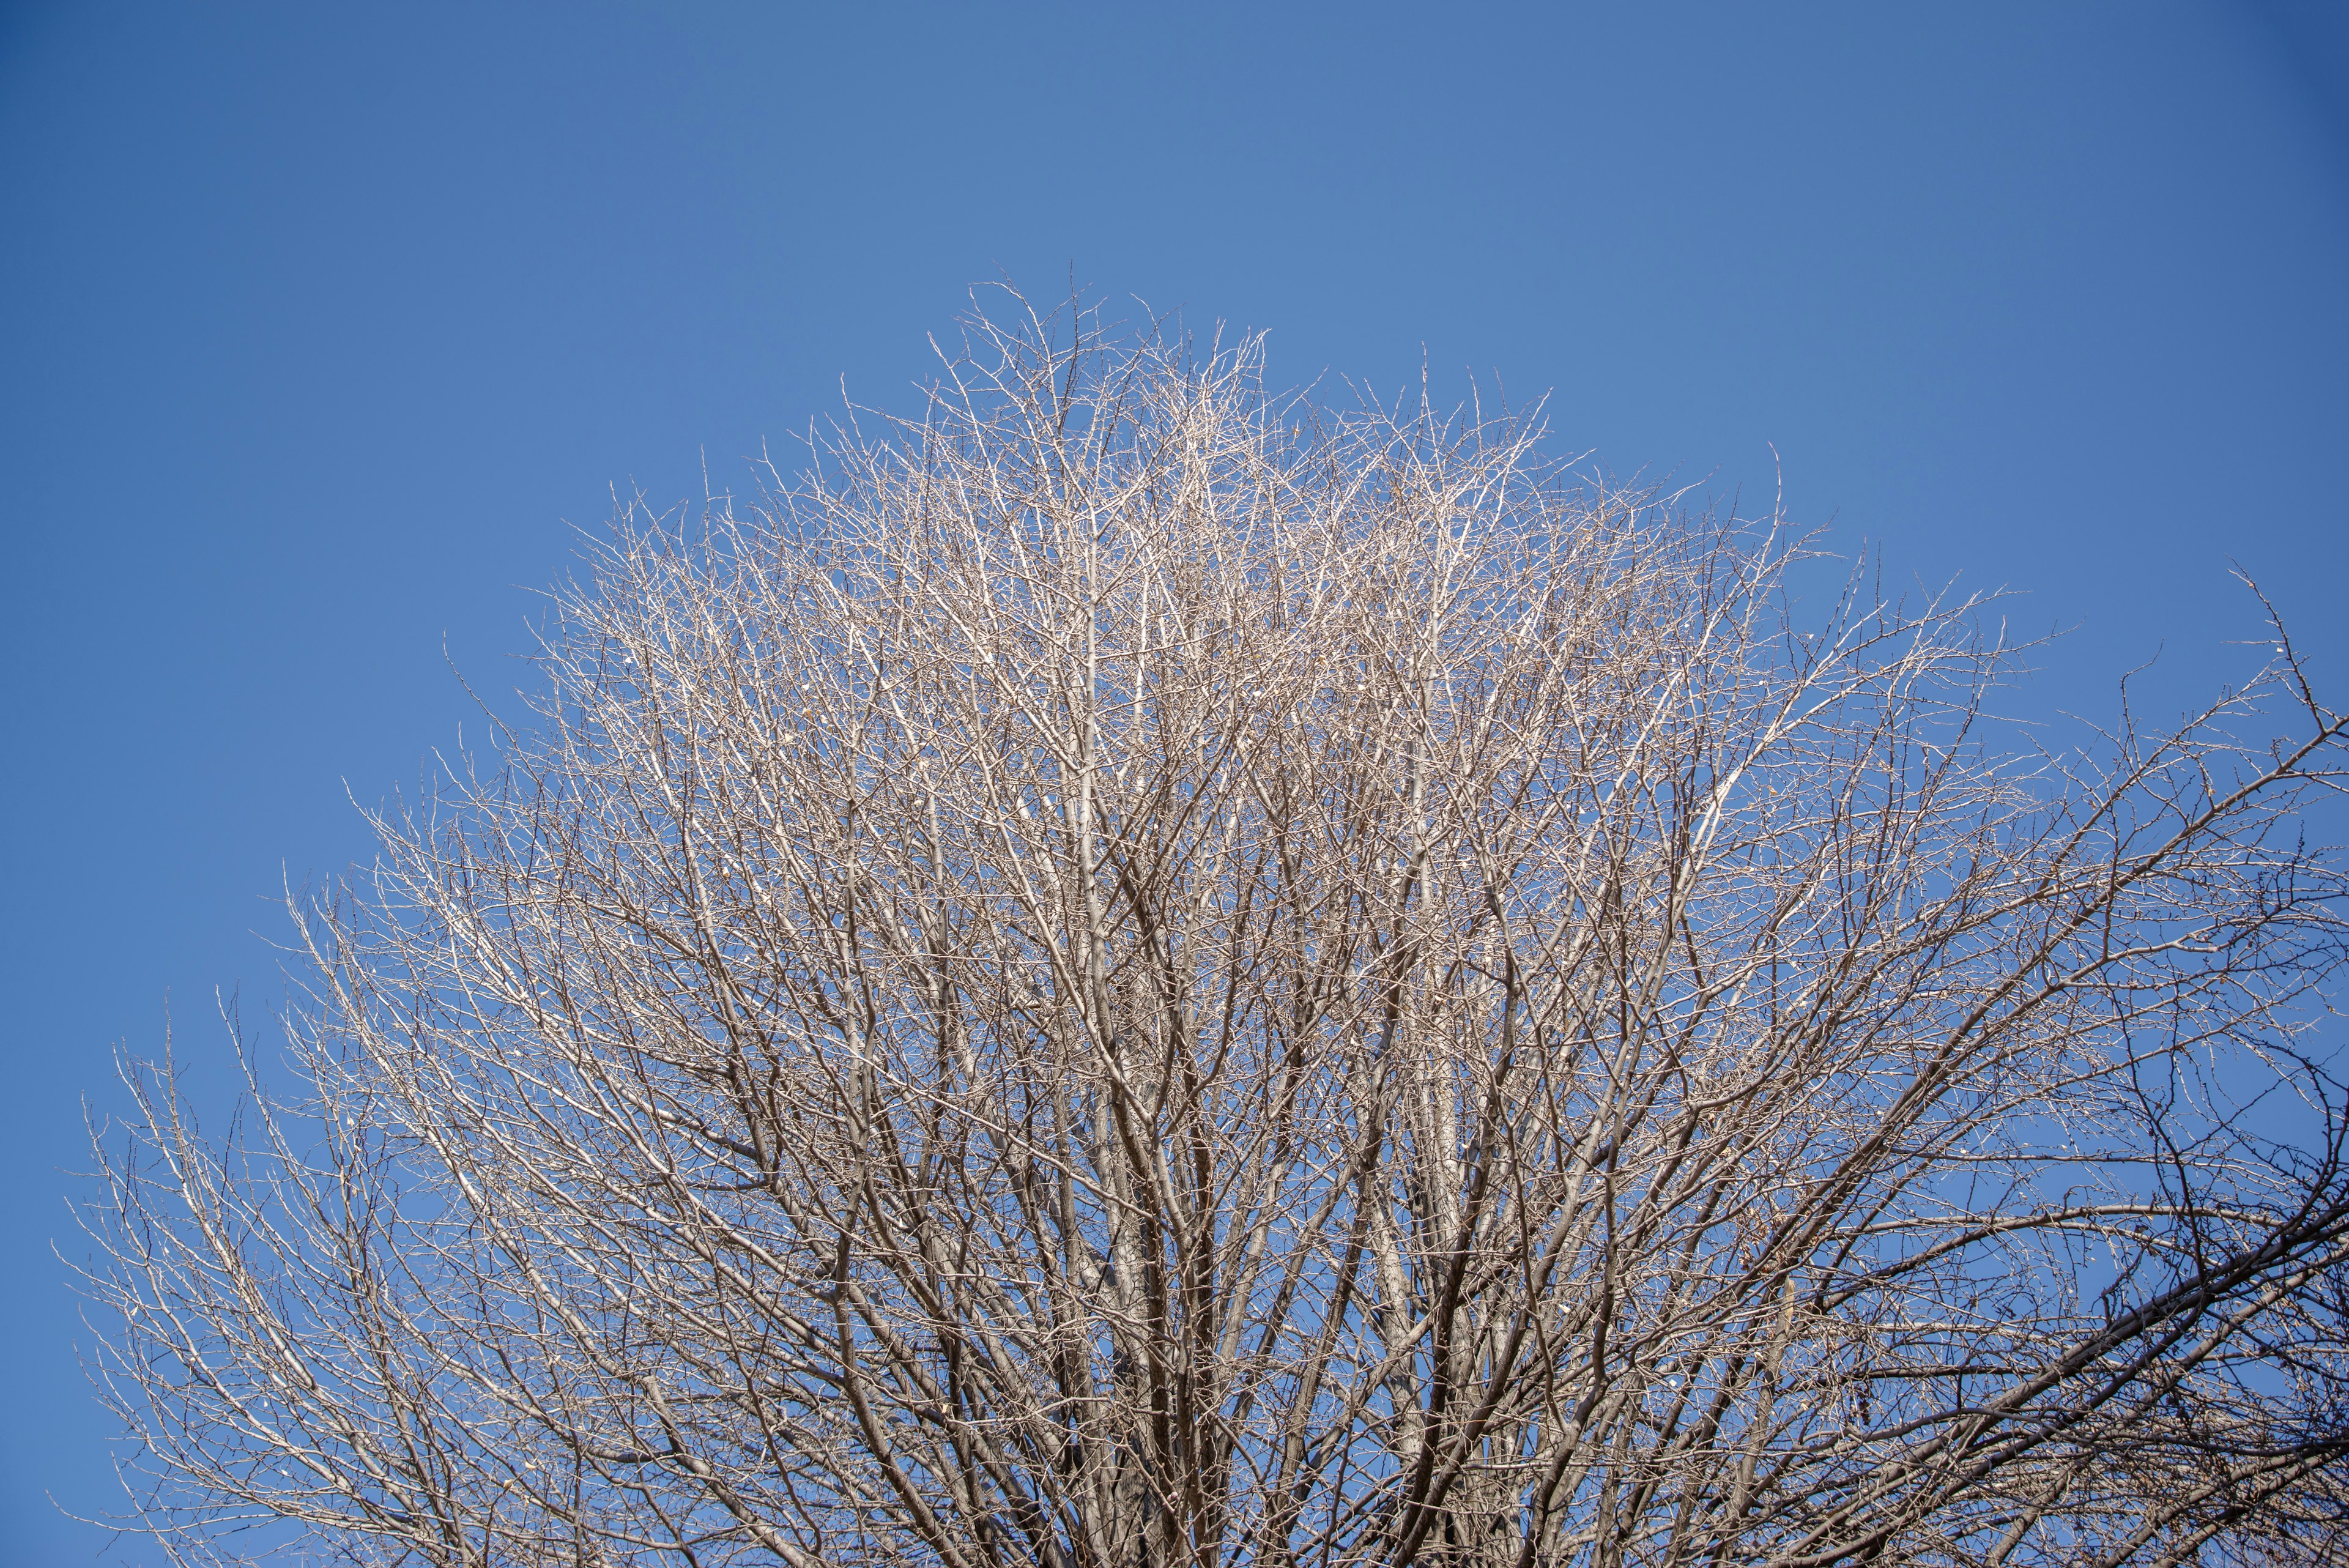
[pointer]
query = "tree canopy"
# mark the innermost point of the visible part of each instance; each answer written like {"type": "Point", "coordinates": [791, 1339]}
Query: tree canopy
{"type": "Point", "coordinates": [1135, 972]}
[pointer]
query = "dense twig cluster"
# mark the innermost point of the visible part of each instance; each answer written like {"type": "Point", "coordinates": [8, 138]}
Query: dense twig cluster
{"type": "Point", "coordinates": [1138, 974]}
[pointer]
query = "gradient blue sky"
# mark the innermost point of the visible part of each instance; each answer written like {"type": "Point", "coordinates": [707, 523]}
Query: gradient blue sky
{"type": "Point", "coordinates": [323, 326]}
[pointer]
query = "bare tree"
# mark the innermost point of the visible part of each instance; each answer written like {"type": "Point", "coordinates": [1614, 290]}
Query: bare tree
{"type": "Point", "coordinates": [1139, 973]}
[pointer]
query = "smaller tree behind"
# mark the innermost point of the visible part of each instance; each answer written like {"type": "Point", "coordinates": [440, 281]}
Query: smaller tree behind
{"type": "Point", "coordinates": [1139, 973]}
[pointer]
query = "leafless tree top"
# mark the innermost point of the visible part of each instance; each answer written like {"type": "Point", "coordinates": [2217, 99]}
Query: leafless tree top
{"type": "Point", "coordinates": [1136, 972]}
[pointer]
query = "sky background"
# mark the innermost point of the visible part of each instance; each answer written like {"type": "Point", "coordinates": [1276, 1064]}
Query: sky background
{"type": "Point", "coordinates": [325, 327]}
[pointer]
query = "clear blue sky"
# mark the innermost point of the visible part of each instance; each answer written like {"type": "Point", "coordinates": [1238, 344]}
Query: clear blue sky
{"type": "Point", "coordinates": [320, 325]}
